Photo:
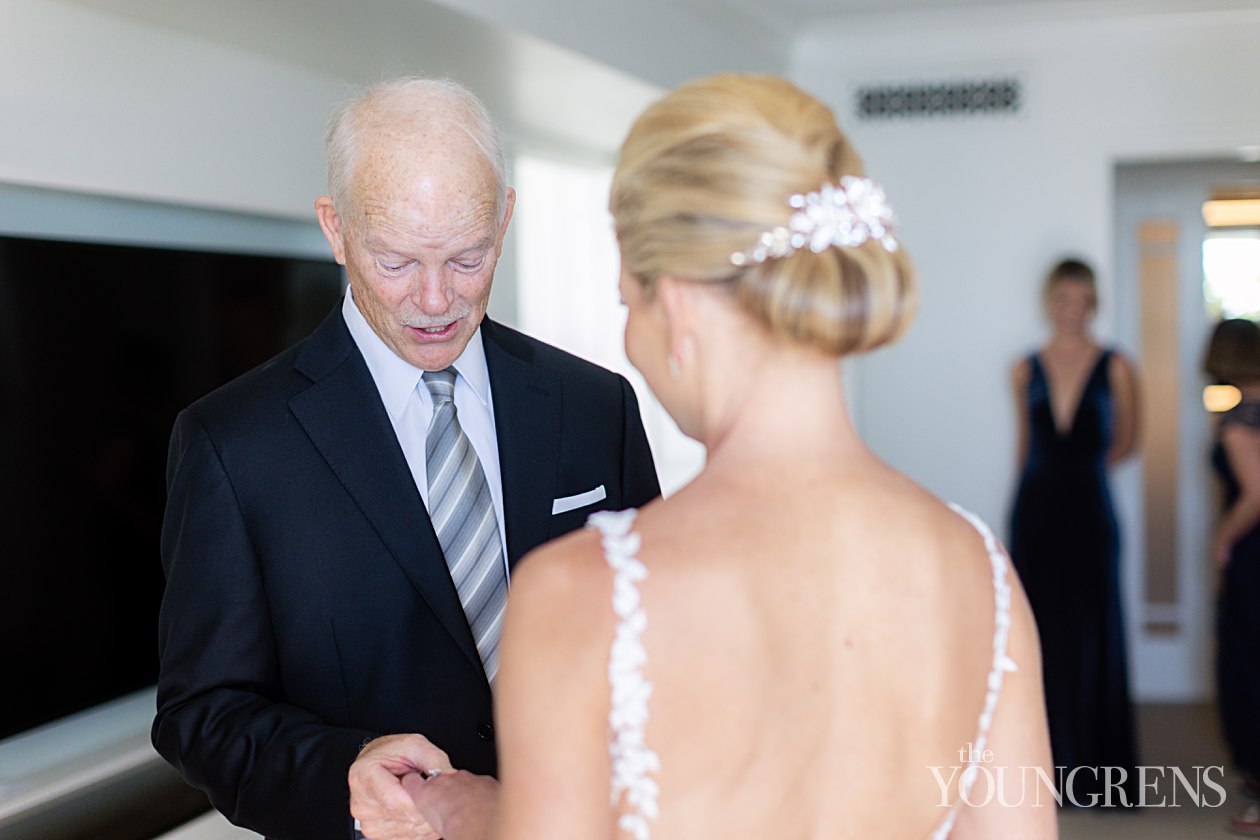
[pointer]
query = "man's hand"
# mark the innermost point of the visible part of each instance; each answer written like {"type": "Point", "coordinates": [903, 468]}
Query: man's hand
{"type": "Point", "coordinates": [378, 801]}
{"type": "Point", "coordinates": [458, 805]}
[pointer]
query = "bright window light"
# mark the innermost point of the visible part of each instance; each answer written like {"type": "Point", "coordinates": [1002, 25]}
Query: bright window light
{"type": "Point", "coordinates": [567, 269]}
{"type": "Point", "coordinates": [1231, 274]}
{"type": "Point", "coordinates": [1218, 398]}
{"type": "Point", "coordinates": [1232, 212]}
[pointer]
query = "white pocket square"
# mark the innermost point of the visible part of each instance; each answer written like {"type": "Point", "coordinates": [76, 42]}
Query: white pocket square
{"type": "Point", "coordinates": [568, 503]}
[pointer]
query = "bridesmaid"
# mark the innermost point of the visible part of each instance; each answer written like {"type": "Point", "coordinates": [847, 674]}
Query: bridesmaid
{"type": "Point", "coordinates": [1076, 403]}
{"type": "Point", "coordinates": [1233, 358]}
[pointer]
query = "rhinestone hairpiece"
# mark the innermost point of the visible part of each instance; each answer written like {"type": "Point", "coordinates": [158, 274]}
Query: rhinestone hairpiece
{"type": "Point", "coordinates": [843, 216]}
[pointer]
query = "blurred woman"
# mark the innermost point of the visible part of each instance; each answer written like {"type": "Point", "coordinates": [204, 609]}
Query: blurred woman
{"type": "Point", "coordinates": [802, 642]}
{"type": "Point", "coordinates": [1233, 358]}
{"type": "Point", "coordinates": [1076, 403]}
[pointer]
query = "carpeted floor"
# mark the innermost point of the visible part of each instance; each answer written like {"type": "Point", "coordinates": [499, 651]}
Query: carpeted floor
{"type": "Point", "coordinates": [1185, 736]}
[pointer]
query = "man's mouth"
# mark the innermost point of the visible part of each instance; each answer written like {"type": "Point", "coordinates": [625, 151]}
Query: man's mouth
{"type": "Point", "coordinates": [435, 333]}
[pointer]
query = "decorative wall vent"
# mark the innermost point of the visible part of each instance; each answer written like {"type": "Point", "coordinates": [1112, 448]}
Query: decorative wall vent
{"type": "Point", "coordinates": [974, 98]}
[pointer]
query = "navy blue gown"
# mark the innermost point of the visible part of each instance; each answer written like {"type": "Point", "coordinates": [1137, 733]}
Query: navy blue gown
{"type": "Point", "coordinates": [1065, 546]}
{"type": "Point", "coordinates": [1238, 621]}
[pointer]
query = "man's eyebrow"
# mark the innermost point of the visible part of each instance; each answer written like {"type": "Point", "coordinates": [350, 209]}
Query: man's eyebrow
{"type": "Point", "coordinates": [374, 243]}
{"type": "Point", "coordinates": [380, 248]}
{"type": "Point", "coordinates": [481, 245]}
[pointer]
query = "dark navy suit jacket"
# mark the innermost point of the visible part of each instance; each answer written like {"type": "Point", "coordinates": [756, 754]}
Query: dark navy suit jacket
{"type": "Point", "coordinates": [308, 607]}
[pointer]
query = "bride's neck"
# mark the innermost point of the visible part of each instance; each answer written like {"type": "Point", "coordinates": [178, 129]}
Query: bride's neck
{"type": "Point", "coordinates": [785, 407]}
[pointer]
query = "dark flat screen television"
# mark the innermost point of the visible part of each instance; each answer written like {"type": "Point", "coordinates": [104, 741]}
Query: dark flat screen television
{"type": "Point", "coordinates": [100, 346]}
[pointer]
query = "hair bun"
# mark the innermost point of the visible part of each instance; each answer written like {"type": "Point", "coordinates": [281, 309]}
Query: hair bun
{"type": "Point", "coordinates": [748, 180]}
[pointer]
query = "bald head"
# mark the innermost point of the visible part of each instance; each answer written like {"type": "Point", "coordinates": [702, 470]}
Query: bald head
{"type": "Point", "coordinates": [414, 122]}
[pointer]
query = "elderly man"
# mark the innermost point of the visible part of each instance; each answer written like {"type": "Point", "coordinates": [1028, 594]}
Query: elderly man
{"type": "Point", "coordinates": [342, 521]}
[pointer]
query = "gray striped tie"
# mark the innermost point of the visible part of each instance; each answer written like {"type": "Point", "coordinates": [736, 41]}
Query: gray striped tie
{"type": "Point", "coordinates": [462, 513]}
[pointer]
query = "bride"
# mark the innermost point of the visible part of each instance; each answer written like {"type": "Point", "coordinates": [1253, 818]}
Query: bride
{"type": "Point", "coordinates": [801, 643]}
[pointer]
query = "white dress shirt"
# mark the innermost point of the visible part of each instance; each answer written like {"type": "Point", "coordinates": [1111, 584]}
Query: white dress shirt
{"type": "Point", "coordinates": [410, 406]}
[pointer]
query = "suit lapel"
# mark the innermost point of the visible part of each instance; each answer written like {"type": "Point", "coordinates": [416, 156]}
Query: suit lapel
{"type": "Point", "coordinates": [343, 415]}
{"type": "Point", "coordinates": [527, 425]}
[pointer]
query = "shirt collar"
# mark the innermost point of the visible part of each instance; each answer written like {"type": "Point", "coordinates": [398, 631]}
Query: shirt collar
{"type": "Point", "coordinates": [395, 378]}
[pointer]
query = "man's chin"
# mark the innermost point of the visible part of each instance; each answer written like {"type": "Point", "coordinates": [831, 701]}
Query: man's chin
{"type": "Point", "coordinates": [436, 355]}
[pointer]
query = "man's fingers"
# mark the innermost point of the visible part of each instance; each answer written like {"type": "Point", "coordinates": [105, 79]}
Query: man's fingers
{"type": "Point", "coordinates": [374, 790]}
{"type": "Point", "coordinates": [384, 809]}
{"type": "Point", "coordinates": [402, 754]}
{"type": "Point", "coordinates": [424, 793]}
{"type": "Point", "coordinates": [455, 803]}
{"type": "Point", "coordinates": [411, 783]}
{"type": "Point", "coordinates": [378, 798]}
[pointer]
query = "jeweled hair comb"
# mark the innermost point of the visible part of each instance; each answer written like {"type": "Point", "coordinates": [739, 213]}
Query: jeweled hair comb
{"type": "Point", "coordinates": [843, 216]}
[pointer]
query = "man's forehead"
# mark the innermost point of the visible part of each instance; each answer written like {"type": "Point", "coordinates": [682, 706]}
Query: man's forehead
{"type": "Point", "coordinates": [400, 226]}
{"type": "Point", "coordinates": [420, 174]}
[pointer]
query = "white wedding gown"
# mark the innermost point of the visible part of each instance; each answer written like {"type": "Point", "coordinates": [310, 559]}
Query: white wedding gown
{"type": "Point", "coordinates": [635, 764]}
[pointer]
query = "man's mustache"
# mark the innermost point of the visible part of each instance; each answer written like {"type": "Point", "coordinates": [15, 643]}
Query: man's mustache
{"type": "Point", "coordinates": [419, 321]}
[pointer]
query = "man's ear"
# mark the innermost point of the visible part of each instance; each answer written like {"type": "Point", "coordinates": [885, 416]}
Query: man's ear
{"type": "Point", "coordinates": [507, 217]}
{"type": "Point", "coordinates": [330, 224]}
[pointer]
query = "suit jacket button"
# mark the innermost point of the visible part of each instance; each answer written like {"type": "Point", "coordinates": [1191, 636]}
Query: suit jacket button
{"type": "Point", "coordinates": [485, 731]}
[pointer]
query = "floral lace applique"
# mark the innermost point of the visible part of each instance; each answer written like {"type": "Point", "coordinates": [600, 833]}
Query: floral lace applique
{"type": "Point", "coordinates": [1002, 663]}
{"type": "Point", "coordinates": [634, 763]}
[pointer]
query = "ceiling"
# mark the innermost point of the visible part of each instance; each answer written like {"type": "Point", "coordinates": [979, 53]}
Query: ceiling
{"type": "Point", "coordinates": [796, 17]}
{"type": "Point", "coordinates": [806, 10]}
{"type": "Point", "coordinates": [659, 42]}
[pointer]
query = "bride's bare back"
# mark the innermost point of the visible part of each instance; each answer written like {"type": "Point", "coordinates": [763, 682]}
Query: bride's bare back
{"type": "Point", "coordinates": [817, 643]}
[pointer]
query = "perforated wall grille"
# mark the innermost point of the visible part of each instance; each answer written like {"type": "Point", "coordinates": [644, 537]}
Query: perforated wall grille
{"type": "Point", "coordinates": [946, 99]}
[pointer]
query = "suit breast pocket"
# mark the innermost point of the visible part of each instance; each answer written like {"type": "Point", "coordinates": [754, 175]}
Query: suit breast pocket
{"type": "Point", "coordinates": [569, 512]}
{"type": "Point", "coordinates": [577, 501]}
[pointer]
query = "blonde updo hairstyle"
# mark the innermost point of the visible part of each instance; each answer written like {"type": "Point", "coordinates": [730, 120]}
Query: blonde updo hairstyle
{"type": "Point", "coordinates": [710, 167]}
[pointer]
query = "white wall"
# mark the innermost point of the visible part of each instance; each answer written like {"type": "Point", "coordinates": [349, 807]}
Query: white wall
{"type": "Point", "coordinates": [989, 203]}
{"type": "Point", "coordinates": [101, 104]}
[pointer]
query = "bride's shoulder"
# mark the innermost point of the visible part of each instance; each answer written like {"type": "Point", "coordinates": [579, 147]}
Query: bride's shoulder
{"type": "Point", "coordinates": [568, 581]}
{"type": "Point", "coordinates": [931, 534]}
{"type": "Point", "coordinates": [552, 690]}
{"type": "Point", "coordinates": [566, 566]}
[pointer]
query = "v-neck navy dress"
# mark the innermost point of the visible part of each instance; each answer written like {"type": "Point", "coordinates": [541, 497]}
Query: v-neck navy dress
{"type": "Point", "coordinates": [1065, 545]}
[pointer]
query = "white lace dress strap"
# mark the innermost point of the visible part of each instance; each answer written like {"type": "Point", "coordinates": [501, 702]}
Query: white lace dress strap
{"type": "Point", "coordinates": [1002, 662]}
{"type": "Point", "coordinates": [634, 764]}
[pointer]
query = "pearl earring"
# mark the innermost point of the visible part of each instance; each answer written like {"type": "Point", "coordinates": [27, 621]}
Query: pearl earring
{"type": "Point", "coordinates": [674, 371]}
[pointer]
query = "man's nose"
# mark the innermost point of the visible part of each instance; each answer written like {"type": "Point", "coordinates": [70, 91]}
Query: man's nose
{"type": "Point", "coordinates": [432, 292]}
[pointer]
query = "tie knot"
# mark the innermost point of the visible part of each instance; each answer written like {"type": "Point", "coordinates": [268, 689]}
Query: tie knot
{"type": "Point", "coordinates": [441, 385]}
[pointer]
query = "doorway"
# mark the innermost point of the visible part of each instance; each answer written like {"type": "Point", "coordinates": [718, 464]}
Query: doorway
{"type": "Point", "coordinates": [1170, 502]}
